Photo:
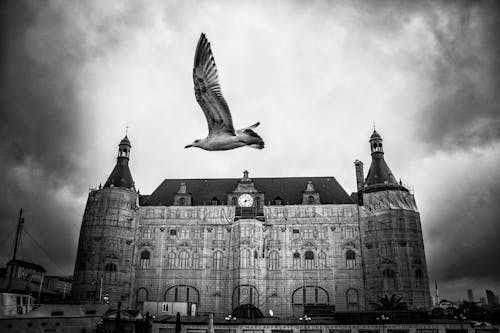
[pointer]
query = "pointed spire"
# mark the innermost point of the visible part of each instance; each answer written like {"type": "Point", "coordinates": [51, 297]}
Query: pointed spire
{"type": "Point", "coordinates": [379, 173]}
{"type": "Point", "coordinates": [121, 176]}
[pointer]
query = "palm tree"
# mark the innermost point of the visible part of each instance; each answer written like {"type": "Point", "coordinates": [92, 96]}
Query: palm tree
{"type": "Point", "coordinates": [390, 303]}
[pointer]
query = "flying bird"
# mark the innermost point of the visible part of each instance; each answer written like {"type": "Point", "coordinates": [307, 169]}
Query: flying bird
{"type": "Point", "coordinates": [221, 133]}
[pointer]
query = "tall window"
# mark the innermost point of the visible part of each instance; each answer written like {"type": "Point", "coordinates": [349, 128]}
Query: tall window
{"type": "Point", "coordinates": [183, 259]}
{"type": "Point", "coordinates": [145, 255]}
{"type": "Point", "coordinates": [349, 233]}
{"type": "Point", "coordinates": [196, 259]}
{"type": "Point", "coordinates": [310, 295]}
{"type": "Point", "coordinates": [296, 260]}
{"type": "Point", "coordinates": [183, 233]}
{"type": "Point", "coordinates": [389, 279]}
{"type": "Point", "coordinates": [218, 260]}
{"type": "Point", "coordinates": [182, 202]}
{"type": "Point", "coordinates": [141, 296]}
{"type": "Point", "coordinates": [146, 233]}
{"type": "Point", "coordinates": [233, 201]}
{"type": "Point", "coordinates": [309, 259]}
{"type": "Point", "coordinates": [255, 258]}
{"type": "Point", "coordinates": [308, 233]}
{"type": "Point", "coordinates": [244, 259]}
{"type": "Point", "coordinates": [257, 202]}
{"type": "Point", "coordinates": [419, 278]}
{"type": "Point", "coordinates": [310, 200]}
{"type": "Point", "coordinates": [196, 234]}
{"type": "Point", "coordinates": [386, 249]}
{"type": "Point", "coordinates": [322, 259]}
{"type": "Point", "coordinates": [274, 261]}
{"type": "Point", "coordinates": [350, 259]}
{"type": "Point", "coordinates": [219, 233]}
{"type": "Point", "coordinates": [352, 300]}
{"type": "Point", "coordinates": [110, 267]}
{"type": "Point", "coordinates": [171, 260]}
{"type": "Point", "coordinates": [182, 293]}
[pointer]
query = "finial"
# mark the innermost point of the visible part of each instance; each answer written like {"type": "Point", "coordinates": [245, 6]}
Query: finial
{"type": "Point", "coordinates": [374, 129]}
{"type": "Point", "coordinates": [126, 130]}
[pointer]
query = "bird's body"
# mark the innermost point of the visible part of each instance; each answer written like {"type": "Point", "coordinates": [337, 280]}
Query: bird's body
{"type": "Point", "coordinates": [221, 133]}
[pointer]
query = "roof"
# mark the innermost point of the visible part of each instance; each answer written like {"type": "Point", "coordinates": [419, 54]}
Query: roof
{"type": "Point", "coordinates": [120, 176]}
{"type": "Point", "coordinates": [26, 264]}
{"type": "Point", "coordinates": [125, 141]}
{"type": "Point", "coordinates": [379, 172]}
{"type": "Point", "coordinates": [289, 189]}
{"type": "Point", "coordinates": [375, 135]}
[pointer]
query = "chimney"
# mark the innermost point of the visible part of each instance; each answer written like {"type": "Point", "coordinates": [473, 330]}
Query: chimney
{"type": "Point", "coordinates": [360, 176]}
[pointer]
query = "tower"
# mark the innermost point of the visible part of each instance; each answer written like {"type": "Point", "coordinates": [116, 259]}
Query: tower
{"type": "Point", "coordinates": [104, 268]}
{"type": "Point", "coordinates": [391, 235]}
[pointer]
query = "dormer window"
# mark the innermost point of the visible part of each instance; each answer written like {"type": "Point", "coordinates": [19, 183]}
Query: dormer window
{"type": "Point", "coordinates": [215, 201]}
{"type": "Point", "coordinates": [310, 200]}
{"type": "Point", "coordinates": [278, 201]}
{"type": "Point", "coordinates": [182, 202]}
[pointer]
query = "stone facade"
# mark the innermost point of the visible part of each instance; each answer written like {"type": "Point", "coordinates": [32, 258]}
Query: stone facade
{"type": "Point", "coordinates": [278, 243]}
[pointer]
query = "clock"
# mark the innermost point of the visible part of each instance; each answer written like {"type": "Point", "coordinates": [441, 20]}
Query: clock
{"type": "Point", "coordinates": [245, 200]}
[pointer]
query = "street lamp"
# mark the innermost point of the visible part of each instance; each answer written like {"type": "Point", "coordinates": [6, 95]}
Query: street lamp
{"type": "Point", "coordinates": [383, 319]}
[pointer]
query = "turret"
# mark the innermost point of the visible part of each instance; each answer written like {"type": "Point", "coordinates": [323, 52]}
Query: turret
{"type": "Point", "coordinates": [104, 266]}
{"type": "Point", "coordinates": [391, 235]}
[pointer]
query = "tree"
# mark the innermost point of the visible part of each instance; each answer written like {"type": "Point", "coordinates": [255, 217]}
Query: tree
{"type": "Point", "coordinates": [390, 303]}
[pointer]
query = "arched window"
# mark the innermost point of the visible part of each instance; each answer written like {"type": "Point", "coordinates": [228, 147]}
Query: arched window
{"type": "Point", "coordinates": [145, 256]}
{"type": "Point", "coordinates": [296, 260]}
{"type": "Point", "coordinates": [171, 259]}
{"type": "Point", "coordinates": [389, 279]}
{"type": "Point", "coordinates": [141, 296]}
{"type": "Point", "coordinates": [245, 294]}
{"type": "Point", "coordinates": [310, 295]}
{"type": "Point", "coordinates": [183, 259]}
{"type": "Point", "coordinates": [350, 259]}
{"type": "Point", "coordinates": [244, 259]}
{"type": "Point", "coordinates": [278, 201]}
{"type": "Point", "coordinates": [233, 201]}
{"type": "Point", "coordinates": [309, 259]}
{"type": "Point", "coordinates": [196, 259]}
{"type": "Point", "coordinates": [310, 200]}
{"type": "Point", "coordinates": [352, 300]}
{"type": "Point", "coordinates": [322, 259]}
{"type": "Point", "coordinates": [274, 261]}
{"type": "Point", "coordinates": [182, 202]}
{"type": "Point", "coordinates": [182, 293]}
{"type": "Point", "coordinates": [218, 260]}
{"type": "Point", "coordinates": [255, 259]}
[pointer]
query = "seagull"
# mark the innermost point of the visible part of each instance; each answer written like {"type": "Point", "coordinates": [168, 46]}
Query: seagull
{"type": "Point", "coordinates": [221, 133]}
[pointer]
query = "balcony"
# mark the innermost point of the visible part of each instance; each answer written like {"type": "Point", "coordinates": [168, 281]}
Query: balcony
{"type": "Point", "coordinates": [242, 213]}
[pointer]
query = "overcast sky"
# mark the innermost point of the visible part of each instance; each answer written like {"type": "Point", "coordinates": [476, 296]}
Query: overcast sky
{"type": "Point", "coordinates": [316, 74]}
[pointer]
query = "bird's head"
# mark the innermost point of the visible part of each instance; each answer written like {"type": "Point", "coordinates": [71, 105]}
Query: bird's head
{"type": "Point", "coordinates": [196, 143]}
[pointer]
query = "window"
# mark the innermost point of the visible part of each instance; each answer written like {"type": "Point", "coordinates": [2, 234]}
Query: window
{"type": "Point", "coordinates": [349, 233]}
{"type": "Point", "coordinates": [322, 259]}
{"type": "Point", "coordinates": [245, 294]}
{"type": "Point", "coordinates": [295, 233]}
{"type": "Point", "coordinates": [110, 267]}
{"type": "Point", "coordinates": [215, 201]}
{"type": "Point", "coordinates": [253, 262]}
{"type": "Point", "coordinates": [173, 232]}
{"type": "Point", "coordinates": [296, 260]}
{"type": "Point", "coordinates": [218, 260]}
{"type": "Point", "coordinates": [245, 257]}
{"type": "Point", "coordinates": [310, 200]}
{"type": "Point", "coordinates": [307, 233]}
{"type": "Point", "coordinates": [182, 202]}
{"type": "Point", "coordinates": [389, 279]}
{"type": "Point", "coordinates": [197, 234]}
{"type": "Point", "coordinates": [196, 259]}
{"type": "Point", "coordinates": [352, 300]}
{"type": "Point", "coordinates": [145, 256]}
{"type": "Point", "coordinates": [310, 295]}
{"type": "Point", "coordinates": [350, 259]}
{"type": "Point", "coordinates": [184, 234]}
{"type": "Point", "coordinates": [236, 258]}
{"type": "Point", "coordinates": [171, 260]}
{"type": "Point", "coordinates": [386, 249]}
{"type": "Point", "coordinates": [419, 278]}
{"type": "Point", "coordinates": [309, 260]}
{"type": "Point", "coordinates": [321, 233]}
{"type": "Point", "coordinates": [141, 296]}
{"type": "Point", "coordinates": [233, 201]}
{"type": "Point", "coordinates": [146, 234]}
{"type": "Point", "coordinates": [278, 201]}
{"type": "Point", "coordinates": [257, 202]}
{"type": "Point", "coordinates": [219, 233]}
{"type": "Point", "coordinates": [183, 259]}
{"type": "Point", "coordinates": [274, 261]}
{"type": "Point", "coordinates": [182, 293]}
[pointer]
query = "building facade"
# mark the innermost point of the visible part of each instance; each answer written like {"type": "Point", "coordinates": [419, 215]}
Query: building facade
{"type": "Point", "coordinates": [278, 243]}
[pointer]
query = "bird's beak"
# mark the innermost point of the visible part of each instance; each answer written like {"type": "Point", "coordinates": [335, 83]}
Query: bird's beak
{"type": "Point", "coordinates": [188, 146]}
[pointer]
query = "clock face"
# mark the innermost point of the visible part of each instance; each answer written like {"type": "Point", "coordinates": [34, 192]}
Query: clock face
{"type": "Point", "coordinates": [245, 200]}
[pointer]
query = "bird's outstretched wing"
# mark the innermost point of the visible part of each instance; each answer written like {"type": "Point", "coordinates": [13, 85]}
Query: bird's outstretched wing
{"type": "Point", "coordinates": [208, 92]}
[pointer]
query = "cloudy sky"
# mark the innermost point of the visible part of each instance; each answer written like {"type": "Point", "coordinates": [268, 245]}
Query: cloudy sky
{"type": "Point", "coordinates": [317, 75]}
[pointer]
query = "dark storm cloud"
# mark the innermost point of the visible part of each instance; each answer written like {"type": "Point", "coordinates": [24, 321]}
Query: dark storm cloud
{"type": "Point", "coordinates": [465, 109]}
{"type": "Point", "coordinates": [39, 128]}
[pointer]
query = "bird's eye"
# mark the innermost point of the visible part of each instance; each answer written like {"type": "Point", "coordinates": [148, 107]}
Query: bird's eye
{"type": "Point", "coordinates": [196, 141]}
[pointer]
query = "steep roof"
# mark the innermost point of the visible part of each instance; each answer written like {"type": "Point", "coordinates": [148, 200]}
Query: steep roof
{"type": "Point", "coordinates": [379, 172]}
{"type": "Point", "coordinates": [120, 176]}
{"type": "Point", "coordinates": [289, 189]}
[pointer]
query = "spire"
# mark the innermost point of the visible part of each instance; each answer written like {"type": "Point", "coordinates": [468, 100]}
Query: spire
{"type": "Point", "coordinates": [379, 173]}
{"type": "Point", "coordinates": [121, 176]}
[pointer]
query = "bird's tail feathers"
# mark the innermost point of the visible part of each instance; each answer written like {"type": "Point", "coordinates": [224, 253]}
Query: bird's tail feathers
{"type": "Point", "coordinates": [254, 125]}
{"type": "Point", "coordinates": [256, 140]}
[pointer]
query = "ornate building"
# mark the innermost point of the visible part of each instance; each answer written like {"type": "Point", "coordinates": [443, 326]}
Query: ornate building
{"type": "Point", "coordinates": [278, 243]}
